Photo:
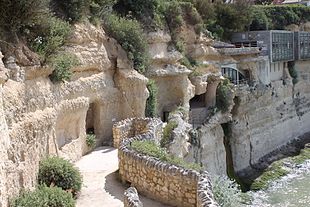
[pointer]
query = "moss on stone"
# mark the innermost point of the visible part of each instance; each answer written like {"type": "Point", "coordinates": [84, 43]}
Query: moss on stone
{"type": "Point", "coordinates": [274, 172]}
{"type": "Point", "coordinates": [277, 170]}
{"type": "Point", "coordinates": [302, 157]}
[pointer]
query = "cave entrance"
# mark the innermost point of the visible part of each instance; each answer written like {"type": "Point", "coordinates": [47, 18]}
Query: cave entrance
{"type": "Point", "coordinates": [90, 120]}
{"type": "Point", "coordinates": [198, 110]}
{"type": "Point", "coordinates": [198, 101]}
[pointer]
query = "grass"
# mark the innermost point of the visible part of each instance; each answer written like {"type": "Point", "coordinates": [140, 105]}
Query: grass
{"type": "Point", "coordinates": [150, 148]}
{"type": "Point", "coordinates": [277, 170]}
{"type": "Point", "coordinates": [302, 157]}
{"type": "Point", "coordinates": [274, 172]}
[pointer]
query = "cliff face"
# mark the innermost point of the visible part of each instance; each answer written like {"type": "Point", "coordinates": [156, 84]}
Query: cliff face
{"type": "Point", "coordinates": [171, 78]}
{"type": "Point", "coordinates": [269, 117]}
{"type": "Point", "coordinates": [38, 117]}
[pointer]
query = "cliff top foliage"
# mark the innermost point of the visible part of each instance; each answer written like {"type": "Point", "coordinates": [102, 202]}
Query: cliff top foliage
{"type": "Point", "coordinates": [44, 24]}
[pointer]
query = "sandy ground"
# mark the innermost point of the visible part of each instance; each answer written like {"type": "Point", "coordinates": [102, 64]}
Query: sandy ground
{"type": "Point", "coordinates": [101, 187]}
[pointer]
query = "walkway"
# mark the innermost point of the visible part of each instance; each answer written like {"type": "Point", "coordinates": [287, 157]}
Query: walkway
{"type": "Point", "coordinates": [100, 185]}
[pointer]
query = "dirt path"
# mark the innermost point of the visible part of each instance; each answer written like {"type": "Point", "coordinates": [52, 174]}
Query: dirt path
{"type": "Point", "coordinates": [100, 185]}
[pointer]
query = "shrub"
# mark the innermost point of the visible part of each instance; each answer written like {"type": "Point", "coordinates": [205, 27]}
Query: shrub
{"type": "Point", "coordinates": [17, 16]}
{"type": "Point", "coordinates": [138, 8]}
{"type": "Point", "coordinates": [51, 38]}
{"type": "Point", "coordinates": [226, 192]}
{"type": "Point", "coordinates": [279, 16]}
{"type": "Point", "coordinates": [44, 197]}
{"type": "Point", "coordinates": [231, 18]}
{"type": "Point", "coordinates": [76, 10]}
{"type": "Point", "coordinates": [91, 140]}
{"type": "Point", "coordinates": [71, 10]}
{"type": "Point", "coordinates": [151, 102]}
{"type": "Point", "coordinates": [62, 63]}
{"type": "Point", "coordinates": [259, 20]}
{"type": "Point", "coordinates": [150, 148]}
{"type": "Point", "coordinates": [223, 92]}
{"type": "Point", "coordinates": [130, 36]}
{"type": "Point", "coordinates": [167, 133]}
{"type": "Point", "coordinates": [293, 72]}
{"type": "Point", "coordinates": [61, 173]}
{"type": "Point", "coordinates": [100, 8]}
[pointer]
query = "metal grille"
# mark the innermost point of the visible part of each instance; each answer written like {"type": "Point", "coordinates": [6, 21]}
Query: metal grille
{"type": "Point", "coordinates": [304, 45]}
{"type": "Point", "coordinates": [282, 46]}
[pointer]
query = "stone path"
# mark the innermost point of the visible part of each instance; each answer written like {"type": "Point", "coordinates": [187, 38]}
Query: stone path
{"type": "Point", "coordinates": [100, 185]}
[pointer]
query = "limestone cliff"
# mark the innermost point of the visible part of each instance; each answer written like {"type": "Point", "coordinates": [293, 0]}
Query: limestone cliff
{"type": "Point", "coordinates": [38, 117]}
{"type": "Point", "coordinates": [268, 117]}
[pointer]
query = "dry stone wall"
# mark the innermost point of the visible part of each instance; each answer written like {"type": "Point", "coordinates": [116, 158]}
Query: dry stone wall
{"type": "Point", "coordinates": [159, 180]}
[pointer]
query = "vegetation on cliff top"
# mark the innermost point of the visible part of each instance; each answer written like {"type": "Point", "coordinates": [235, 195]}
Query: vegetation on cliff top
{"type": "Point", "coordinates": [43, 24]}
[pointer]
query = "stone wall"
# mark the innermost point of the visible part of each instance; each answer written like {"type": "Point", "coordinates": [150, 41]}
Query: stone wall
{"type": "Point", "coordinates": [158, 180]}
{"type": "Point", "coordinates": [131, 198]}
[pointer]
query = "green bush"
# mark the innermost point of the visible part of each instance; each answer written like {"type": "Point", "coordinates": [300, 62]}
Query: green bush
{"type": "Point", "coordinates": [167, 133]}
{"type": "Point", "coordinates": [150, 148]}
{"type": "Point", "coordinates": [151, 102]}
{"type": "Point", "coordinates": [44, 197]}
{"type": "Point", "coordinates": [62, 63]}
{"type": "Point", "coordinates": [230, 18]}
{"type": "Point", "coordinates": [91, 140]}
{"type": "Point", "coordinates": [223, 92]}
{"type": "Point", "coordinates": [226, 192]}
{"type": "Point", "coordinates": [51, 38]}
{"type": "Point", "coordinates": [279, 16]}
{"type": "Point", "coordinates": [71, 10]}
{"type": "Point", "coordinates": [130, 36]}
{"type": "Point", "coordinates": [138, 8]}
{"type": "Point", "coordinates": [77, 10]}
{"type": "Point", "coordinates": [55, 171]}
{"type": "Point", "coordinates": [259, 19]}
{"type": "Point", "coordinates": [19, 16]}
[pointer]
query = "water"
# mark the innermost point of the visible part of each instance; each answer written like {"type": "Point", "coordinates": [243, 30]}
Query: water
{"type": "Point", "coordinates": [292, 190]}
